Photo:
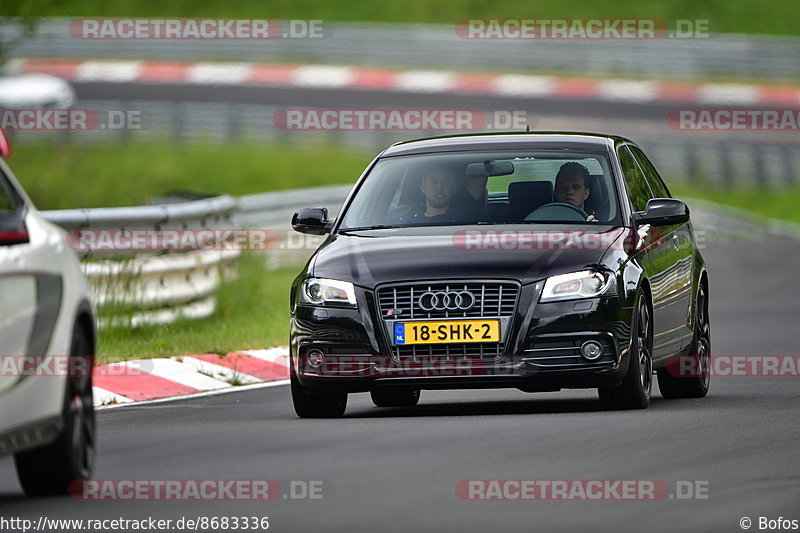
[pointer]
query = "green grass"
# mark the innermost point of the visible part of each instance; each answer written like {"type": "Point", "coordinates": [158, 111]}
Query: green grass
{"type": "Point", "coordinates": [107, 175]}
{"type": "Point", "coordinates": [252, 312]}
{"type": "Point", "coordinates": [773, 203]}
{"type": "Point", "coordinates": [737, 16]}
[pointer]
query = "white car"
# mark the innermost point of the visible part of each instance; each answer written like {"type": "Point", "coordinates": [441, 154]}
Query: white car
{"type": "Point", "coordinates": [47, 343]}
{"type": "Point", "coordinates": [28, 91]}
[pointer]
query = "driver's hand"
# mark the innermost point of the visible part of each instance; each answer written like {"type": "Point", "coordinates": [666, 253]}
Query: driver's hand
{"type": "Point", "coordinates": [591, 219]}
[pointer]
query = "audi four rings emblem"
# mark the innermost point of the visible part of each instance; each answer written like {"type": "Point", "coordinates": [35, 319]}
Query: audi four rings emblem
{"type": "Point", "coordinates": [446, 301]}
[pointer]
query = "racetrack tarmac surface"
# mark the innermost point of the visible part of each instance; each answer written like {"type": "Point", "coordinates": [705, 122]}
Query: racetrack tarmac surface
{"type": "Point", "coordinates": [397, 469]}
{"type": "Point", "coordinates": [627, 118]}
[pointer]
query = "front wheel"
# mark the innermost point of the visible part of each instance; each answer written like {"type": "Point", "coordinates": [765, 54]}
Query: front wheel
{"type": "Point", "coordinates": [634, 392]}
{"type": "Point", "coordinates": [49, 470]}
{"type": "Point", "coordinates": [326, 405]}
{"type": "Point", "coordinates": [695, 385]}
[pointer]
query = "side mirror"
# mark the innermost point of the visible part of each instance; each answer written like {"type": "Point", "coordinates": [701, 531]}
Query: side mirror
{"type": "Point", "coordinates": [662, 212]}
{"type": "Point", "coordinates": [312, 220]}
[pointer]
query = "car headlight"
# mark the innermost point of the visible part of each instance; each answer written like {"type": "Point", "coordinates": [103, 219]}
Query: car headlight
{"type": "Point", "coordinates": [321, 291]}
{"type": "Point", "coordinates": [575, 285]}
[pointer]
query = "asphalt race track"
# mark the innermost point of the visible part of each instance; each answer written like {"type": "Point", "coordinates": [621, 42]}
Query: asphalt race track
{"type": "Point", "coordinates": [645, 120]}
{"type": "Point", "coordinates": [356, 98]}
{"type": "Point", "coordinates": [397, 469]}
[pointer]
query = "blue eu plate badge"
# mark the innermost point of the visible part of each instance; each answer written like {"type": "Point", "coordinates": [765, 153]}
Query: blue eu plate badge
{"type": "Point", "coordinates": [400, 333]}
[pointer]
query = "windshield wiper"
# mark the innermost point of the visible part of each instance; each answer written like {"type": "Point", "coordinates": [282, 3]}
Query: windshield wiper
{"type": "Point", "coordinates": [365, 228]}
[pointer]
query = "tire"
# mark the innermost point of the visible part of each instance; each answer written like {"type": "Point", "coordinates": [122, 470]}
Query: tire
{"type": "Point", "coordinates": [395, 397]}
{"type": "Point", "coordinates": [637, 385]}
{"type": "Point", "coordinates": [327, 405]}
{"type": "Point", "coordinates": [694, 386]}
{"type": "Point", "coordinates": [49, 470]}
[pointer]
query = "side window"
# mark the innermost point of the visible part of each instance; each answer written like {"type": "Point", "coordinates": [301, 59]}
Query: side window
{"type": "Point", "coordinates": [653, 179]}
{"type": "Point", "coordinates": [638, 191]}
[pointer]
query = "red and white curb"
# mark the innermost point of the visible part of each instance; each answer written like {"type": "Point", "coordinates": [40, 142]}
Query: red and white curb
{"type": "Point", "coordinates": [415, 81]}
{"type": "Point", "coordinates": [150, 379]}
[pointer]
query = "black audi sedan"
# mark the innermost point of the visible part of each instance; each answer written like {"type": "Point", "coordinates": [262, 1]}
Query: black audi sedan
{"type": "Point", "coordinates": [537, 261]}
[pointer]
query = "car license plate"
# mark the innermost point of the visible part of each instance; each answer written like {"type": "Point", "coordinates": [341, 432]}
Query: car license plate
{"type": "Point", "coordinates": [447, 331]}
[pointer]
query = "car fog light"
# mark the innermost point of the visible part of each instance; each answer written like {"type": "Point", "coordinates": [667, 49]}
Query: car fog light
{"type": "Point", "coordinates": [591, 350]}
{"type": "Point", "coordinates": [315, 358]}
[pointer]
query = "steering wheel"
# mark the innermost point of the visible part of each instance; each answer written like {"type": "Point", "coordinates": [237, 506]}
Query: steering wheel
{"type": "Point", "coordinates": [557, 211]}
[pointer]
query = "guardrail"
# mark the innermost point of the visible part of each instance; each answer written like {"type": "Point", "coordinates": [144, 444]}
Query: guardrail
{"type": "Point", "coordinates": [153, 288]}
{"type": "Point", "coordinates": [135, 289]}
{"type": "Point", "coordinates": [216, 212]}
{"type": "Point", "coordinates": [275, 209]}
{"type": "Point", "coordinates": [438, 45]}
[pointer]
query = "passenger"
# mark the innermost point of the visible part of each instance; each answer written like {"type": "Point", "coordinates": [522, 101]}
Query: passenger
{"type": "Point", "coordinates": [445, 200]}
{"type": "Point", "coordinates": [471, 200]}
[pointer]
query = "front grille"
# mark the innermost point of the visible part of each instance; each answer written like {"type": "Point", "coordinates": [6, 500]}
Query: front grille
{"type": "Point", "coordinates": [492, 299]}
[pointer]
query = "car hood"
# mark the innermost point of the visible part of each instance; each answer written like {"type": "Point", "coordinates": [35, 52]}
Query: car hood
{"type": "Point", "coordinates": [369, 258]}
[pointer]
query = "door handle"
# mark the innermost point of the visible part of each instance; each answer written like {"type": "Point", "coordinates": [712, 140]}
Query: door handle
{"type": "Point", "coordinates": [676, 242]}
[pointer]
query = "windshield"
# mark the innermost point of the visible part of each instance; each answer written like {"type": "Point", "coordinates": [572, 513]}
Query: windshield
{"type": "Point", "coordinates": [485, 188]}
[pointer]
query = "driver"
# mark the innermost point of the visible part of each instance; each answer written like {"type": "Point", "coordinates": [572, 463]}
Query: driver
{"type": "Point", "coordinates": [572, 185]}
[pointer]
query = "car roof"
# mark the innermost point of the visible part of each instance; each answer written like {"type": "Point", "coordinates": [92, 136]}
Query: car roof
{"type": "Point", "coordinates": [539, 140]}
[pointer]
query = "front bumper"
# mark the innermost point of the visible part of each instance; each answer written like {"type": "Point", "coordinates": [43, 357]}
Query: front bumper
{"type": "Point", "coordinates": [541, 350]}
